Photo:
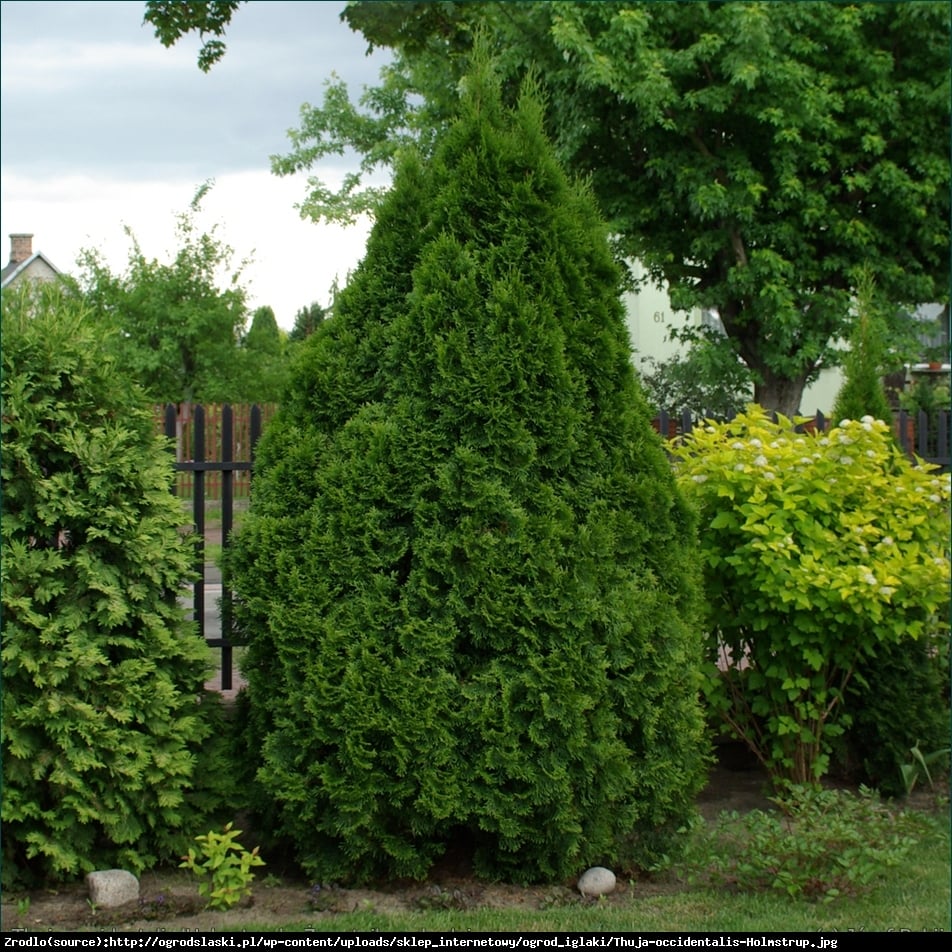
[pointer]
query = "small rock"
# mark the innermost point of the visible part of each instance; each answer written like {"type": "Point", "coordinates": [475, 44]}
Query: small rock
{"type": "Point", "coordinates": [112, 887]}
{"type": "Point", "coordinates": [596, 881]}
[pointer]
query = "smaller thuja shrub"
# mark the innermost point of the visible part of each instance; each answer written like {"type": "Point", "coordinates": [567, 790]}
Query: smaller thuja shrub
{"type": "Point", "coordinates": [818, 844]}
{"type": "Point", "coordinates": [819, 552]}
{"type": "Point", "coordinates": [107, 733]}
{"type": "Point", "coordinates": [224, 867]}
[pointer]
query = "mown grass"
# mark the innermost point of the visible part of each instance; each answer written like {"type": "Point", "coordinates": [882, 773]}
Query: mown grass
{"type": "Point", "coordinates": [914, 896]}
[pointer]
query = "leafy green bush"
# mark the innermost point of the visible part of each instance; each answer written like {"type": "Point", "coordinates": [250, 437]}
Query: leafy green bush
{"type": "Point", "coordinates": [821, 844]}
{"type": "Point", "coordinates": [818, 551]}
{"type": "Point", "coordinates": [104, 718]}
{"type": "Point", "coordinates": [467, 577]}
{"type": "Point", "coordinates": [708, 379]}
{"type": "Point", "coordinates": [898, 699]}
{"type": "Point", "coordinates": [223, 866]}
{"type": "Point", "coordinates": [899, 692]}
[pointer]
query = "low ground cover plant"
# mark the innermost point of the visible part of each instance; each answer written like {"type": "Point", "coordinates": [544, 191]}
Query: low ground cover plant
{"type": "Point", "coordinates": [820, 844]}
{"type": "Point", "coordinates": [820, 551]}
{"type": "Point", "coordinates": [224, 867]}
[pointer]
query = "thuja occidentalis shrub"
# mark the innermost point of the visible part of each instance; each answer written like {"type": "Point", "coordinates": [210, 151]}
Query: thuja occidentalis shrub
{"type": "Point", "coordinates": [106, 729]}
{"type": "Point", "coordinates": [467, 579]}
{"type": "Point", "coordinates": [821, 551]}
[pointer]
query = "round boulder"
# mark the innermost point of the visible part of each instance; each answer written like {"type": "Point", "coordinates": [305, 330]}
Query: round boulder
{"type": "Point", "coordinates": [596, 881]}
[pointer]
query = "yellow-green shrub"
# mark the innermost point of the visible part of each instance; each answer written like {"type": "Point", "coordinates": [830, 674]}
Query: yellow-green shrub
{"type": "Point", "coordinates": [817, 549]}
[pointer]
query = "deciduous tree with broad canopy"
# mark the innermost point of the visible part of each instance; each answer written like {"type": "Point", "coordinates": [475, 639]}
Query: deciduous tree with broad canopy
{"type": "Point", "coordinates": [175, 326]}
{"type": "Point", "coordinates": [754, 156]}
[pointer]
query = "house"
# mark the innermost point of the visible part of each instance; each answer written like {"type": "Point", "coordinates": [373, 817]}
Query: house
{"type": "Point", "coordinates": [651, 319]}
{"type": "Point", "coordinates": [26, 264]}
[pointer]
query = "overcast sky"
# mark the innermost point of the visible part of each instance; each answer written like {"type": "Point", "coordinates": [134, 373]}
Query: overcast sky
{"type": "Point", "coordinates": [103, 127]}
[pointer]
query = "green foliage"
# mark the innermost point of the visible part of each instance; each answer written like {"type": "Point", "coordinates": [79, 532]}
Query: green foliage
{"type": "Point", "coordinates": [108, 750]}
{"type": "Point", "coordinates": [897, 700]}
{"type": "Point", "coordinates": [928, 397]}
{"type": "Point", "coordinates": [264, 362]}
{"type": "Point", "coordinates": [918, 766]}
{"type": "Point", "coordinates": [467, 578]}
{"type": "Point", "coordinates": [862, 393]}
{"type": "Point", "coordinates": [170, 324]}
{"type": "Point", "coordinates": [709, 381]}
{"type": "Point", "coordinates": [819, 550]}
{"type": "Point", "coordinates": [172, 20]}
{"type": "Point", "coordinates": [224, 867]}
{"type": "Point", "coordinates": [753, 156]}
{"type": "Point", "coordinates": [264, 335]}
{"type": "Point", "coordinates": [899, 693]}
{"type": "Point", "coordinates": [821, 845]}
{"type": "Point", "coordinates": [306, 321]}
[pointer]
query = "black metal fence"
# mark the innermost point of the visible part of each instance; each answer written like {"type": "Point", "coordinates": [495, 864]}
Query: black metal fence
{"type": "Point", "coordinates": [927, 436]}
{"type": "Point", "coordinates": [923, 436]}
{"type": "Point", "coordinates": [186, 426]}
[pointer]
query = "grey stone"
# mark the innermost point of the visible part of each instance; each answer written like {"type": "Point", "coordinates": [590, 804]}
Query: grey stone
{"type": "Point", "coordinates": [112, 887]}
{"type": "Point", "coordinates": [596, 881]}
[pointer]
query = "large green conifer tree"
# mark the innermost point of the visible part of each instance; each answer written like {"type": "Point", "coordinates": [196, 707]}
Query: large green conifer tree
{"type": "Point", "coordinates": [467, 578]}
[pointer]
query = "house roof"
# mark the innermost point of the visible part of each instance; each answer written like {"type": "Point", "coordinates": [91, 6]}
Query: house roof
{"type": "Point", "coordinates": [12, 270]}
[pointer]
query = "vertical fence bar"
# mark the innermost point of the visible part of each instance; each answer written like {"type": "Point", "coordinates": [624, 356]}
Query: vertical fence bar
{"type": "Point", "coordinates": [902, 432]}
{"type": "Point", "coordinates": [227, 520]}
{"type": "Point", "coordinates": [922, 434]}
{"type": "Point", "coordinates": [170, 421]}
{"type": "Point", "coordinates": [942, 438]}
{"type": "Point", "coordinates": [255, 434]}
{"type": "Point", "coordinates": [192, 427]}
{"type": "Point", "coordinates": [213, 434]}
{"type": "Point", "coordinates": [198, 514]}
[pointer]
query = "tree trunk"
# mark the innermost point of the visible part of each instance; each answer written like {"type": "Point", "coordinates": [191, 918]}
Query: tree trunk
{"type": "Point", "coordinates": [779, 393]}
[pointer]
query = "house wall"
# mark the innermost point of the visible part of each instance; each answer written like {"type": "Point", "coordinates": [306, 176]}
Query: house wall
{"type": "Point", "coordinates": [650, 319]}
{"type": "Point", "coordinates": [36, 270]}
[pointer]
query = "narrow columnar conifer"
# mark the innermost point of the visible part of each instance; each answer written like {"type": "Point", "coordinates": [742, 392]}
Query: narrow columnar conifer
{"type": "Point", "coordinates": [468, 581]}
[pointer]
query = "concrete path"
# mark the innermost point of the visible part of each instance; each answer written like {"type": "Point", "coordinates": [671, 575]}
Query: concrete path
{"type": "Point", "coordinates": [212, 628]}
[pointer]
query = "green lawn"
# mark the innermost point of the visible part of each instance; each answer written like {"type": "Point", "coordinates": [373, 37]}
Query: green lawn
{"type": "Point", "coordinates": [913, 896]}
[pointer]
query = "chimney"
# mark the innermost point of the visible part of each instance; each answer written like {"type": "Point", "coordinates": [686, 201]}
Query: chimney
{"type": "Point", "coordinates": [21, 248]}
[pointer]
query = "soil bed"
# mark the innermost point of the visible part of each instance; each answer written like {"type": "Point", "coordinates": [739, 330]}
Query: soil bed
{"type": "Point", "coordinates": [169, 899]}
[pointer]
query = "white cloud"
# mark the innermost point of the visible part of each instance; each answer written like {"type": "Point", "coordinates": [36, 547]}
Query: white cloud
{"type": "Point", "coordinates": [43, 66]}
{"type": "Point", "coordinates": [294, 262]}
{"type": "Point", "coordinates": [103, 126]}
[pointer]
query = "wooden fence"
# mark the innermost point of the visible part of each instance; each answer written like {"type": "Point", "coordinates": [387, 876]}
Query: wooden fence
{"type": "Point", "coordinates": [923, 435]}
{"type": "Point", "coordinates": [209, 433]}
